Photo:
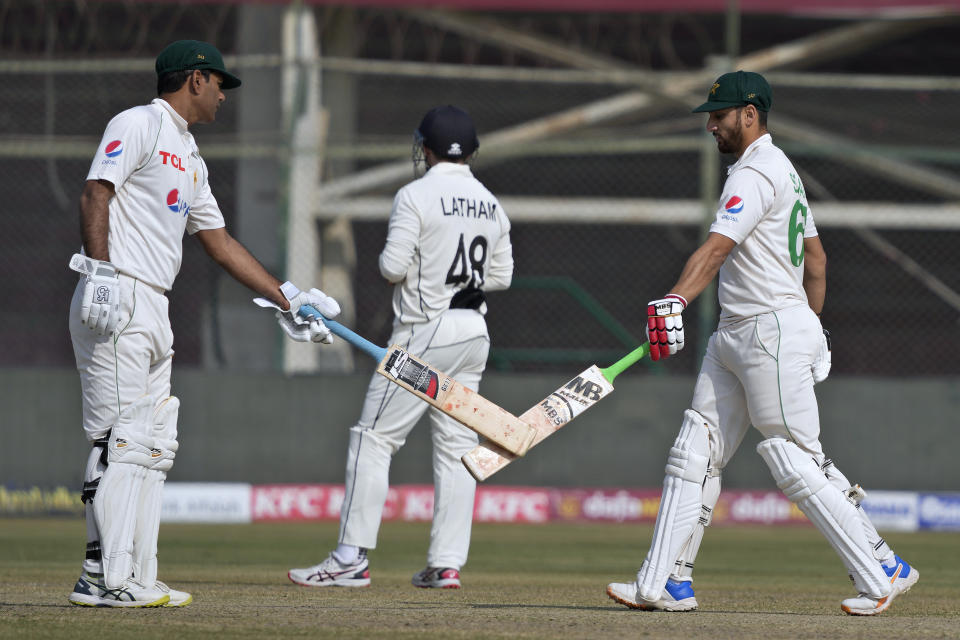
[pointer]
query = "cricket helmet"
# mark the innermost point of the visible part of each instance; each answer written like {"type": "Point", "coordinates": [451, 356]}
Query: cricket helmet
{"type": "Point", "coordinates": [449, 132]}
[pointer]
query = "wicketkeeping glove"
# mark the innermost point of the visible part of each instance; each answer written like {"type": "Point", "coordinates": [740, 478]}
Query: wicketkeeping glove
{"type": "Point", "coordinates": [303, 329]}
{"type": "Point", "coordinates": [665, 325]}
{"type": "Point", "coordinates": [821, 364]}
{"type": "Point", "coordinates": [100, 305]}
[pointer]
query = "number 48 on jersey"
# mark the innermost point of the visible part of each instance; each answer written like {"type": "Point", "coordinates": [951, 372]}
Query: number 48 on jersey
{"type": "Point", "coordinates": [467, 265]}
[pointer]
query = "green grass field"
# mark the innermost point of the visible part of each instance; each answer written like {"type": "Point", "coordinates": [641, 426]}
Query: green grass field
{"type": "Point", "coordinates": [541, 581]}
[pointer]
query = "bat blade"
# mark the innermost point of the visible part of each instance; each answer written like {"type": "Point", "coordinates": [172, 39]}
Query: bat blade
{"type": "Point", "coordinates": [462, 404]}
{"type": "Point", "coordinates": [545, 417]}
{"type": "Point", "coordinates": [553, 412]}
{"type": "Point", "coordinates": [509, 433]}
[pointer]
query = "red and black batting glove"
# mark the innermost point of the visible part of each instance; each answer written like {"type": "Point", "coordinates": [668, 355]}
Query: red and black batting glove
{"type": "Point", "coordinates": [665, 325]}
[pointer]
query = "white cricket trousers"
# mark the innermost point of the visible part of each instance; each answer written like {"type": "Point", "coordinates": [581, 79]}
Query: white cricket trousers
{"type": "Point", "coordinates": [758, 371]}
{"type": "Point", "coordinates": [116, 370]}
{"type": "Point", "coordinates": [457, 343]}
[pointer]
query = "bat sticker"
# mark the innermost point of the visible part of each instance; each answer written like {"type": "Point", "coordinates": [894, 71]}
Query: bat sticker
{"type": "Point", "coordinates": [416, 374]}
{"type": "Point", "coordinates": [553, 412]}
{"type": "Point", "coordinates": [581, 393]}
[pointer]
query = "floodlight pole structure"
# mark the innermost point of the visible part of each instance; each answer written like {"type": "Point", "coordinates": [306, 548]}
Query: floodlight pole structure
{"type": "Point", "coordinates": [304, 124]}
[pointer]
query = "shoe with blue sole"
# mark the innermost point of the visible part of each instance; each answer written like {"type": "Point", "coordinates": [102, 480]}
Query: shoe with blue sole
{"type": "Point", "coordinates": [677, 596]}
{"type": "Point", "coordinates": [902, 577]}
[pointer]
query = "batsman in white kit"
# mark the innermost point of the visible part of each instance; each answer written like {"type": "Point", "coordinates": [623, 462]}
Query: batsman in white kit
{"type": "Point", "coordinates": [146, 187]}
{"type": "Point", "coordinates": [448, 241]}
{"type": "Point", "coordinates": [760, 368]}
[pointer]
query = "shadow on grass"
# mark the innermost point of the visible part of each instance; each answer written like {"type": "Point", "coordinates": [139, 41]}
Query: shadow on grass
{"type": "Point", "coordinates": [567, 607]}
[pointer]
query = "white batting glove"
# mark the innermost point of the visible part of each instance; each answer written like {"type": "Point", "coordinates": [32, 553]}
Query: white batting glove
{"type": "Point", "coordinates": [821, 364]}
{"type": "Point", "coordinates": [665, 325]}
{"type": "Point", "coordinates": [100, 305]}
{"type": "Point", "coordinates": [303, 329]}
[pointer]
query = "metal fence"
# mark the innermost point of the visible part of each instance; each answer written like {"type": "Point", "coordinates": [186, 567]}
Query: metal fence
{"type": "Point", "coordinates": [605, 175]}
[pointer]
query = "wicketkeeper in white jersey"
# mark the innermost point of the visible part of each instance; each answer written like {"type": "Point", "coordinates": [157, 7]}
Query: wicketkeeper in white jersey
{"type": "Point", "coordinates": [760, 368]}
{"type": "Point", "coordinates": [448, 241]}
{"type": "Point", "coordinates": [146, 186]}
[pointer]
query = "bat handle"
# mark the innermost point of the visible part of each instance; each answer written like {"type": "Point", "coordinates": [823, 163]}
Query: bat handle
{"type": "Point", "coordinates": [337, 329]}
{"type": "Point", "coordinates": [625, 362]}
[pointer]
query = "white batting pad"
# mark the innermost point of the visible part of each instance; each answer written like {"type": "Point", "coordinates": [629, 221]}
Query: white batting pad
{"type": "Point", "coordinates": [115, 508]}
{"type": "Point", "coordinates": [144, 437]}
{"type": "Point", "coordinates": [803, 483]}
{"type": "Point", "coordinates": [855, 494]}
{"type": "Point", "coordinates": [147, 527]}
{"type": "Point", "coordinates": [683, 566]}
{"type": "Point", "coordinates": [91, 483]}
{"type": "Point", "coordinates": [165, 433]}
{"type": "Point", "coordinates": [151, 492]}
{"type": "Point", "coordinates": [115, 505]}
{"type": "Point", "coordinates": [680, 504]}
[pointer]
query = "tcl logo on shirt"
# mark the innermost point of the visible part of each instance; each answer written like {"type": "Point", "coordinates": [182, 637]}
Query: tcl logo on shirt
{"type": "Point", "coordinates": [174, 160]}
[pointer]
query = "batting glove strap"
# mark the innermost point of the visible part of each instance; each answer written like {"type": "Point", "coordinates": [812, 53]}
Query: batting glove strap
{"type": "Point", "coordinates": [665, 325]}
{"type": "Point", "coordinates": [90, 267]}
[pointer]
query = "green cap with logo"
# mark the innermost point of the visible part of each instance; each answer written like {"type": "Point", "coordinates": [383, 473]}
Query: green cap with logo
{"type": "Point", "coordinates": [737, 89]}
{"type": "Point", "coordinates": [194, 54]}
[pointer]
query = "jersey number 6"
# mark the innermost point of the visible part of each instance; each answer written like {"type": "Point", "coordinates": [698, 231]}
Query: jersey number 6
{"type": "Point", "coordinates": [798, 220]}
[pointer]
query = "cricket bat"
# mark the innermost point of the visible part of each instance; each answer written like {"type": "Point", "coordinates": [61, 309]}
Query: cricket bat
{"type": "Point", "coordinates": [462, 404]}
{"type": "Point", "coordinates": [553, 412]}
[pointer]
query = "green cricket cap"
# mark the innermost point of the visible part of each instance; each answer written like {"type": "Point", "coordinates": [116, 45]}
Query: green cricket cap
{"type": "Point", "coordinates": [194, 54]}
{"type": "Point", "coordinates": [736, 89]}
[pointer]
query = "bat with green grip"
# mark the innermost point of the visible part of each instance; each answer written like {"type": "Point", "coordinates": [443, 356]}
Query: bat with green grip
{"type": "Point", "coordinates": [554, 411]}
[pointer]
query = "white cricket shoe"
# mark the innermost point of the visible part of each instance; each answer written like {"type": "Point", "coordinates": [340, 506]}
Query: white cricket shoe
{"type": "Point", "coordinates": [332, 573]}
{"type": "Point", "coordinates": [902, 577]}
{"type": "Point", "coordinates": [177, 598]}
{"type": "Point", "coordinates": [677, 596]}
{"type": "Point", "coordinates": [437, 578]}
{"type": "Point", "coordinates": [90, 591]}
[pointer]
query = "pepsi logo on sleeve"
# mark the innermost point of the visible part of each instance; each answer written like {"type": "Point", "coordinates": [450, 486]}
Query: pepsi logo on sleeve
{"type": "Point", "coordinates": [113, 149]}
{"type": "Point", "coordinates": [730, 210]}
{"type": "Point", "coordinates": [734, 205]}
{"type": "Point", "coordinates": [110, 153]}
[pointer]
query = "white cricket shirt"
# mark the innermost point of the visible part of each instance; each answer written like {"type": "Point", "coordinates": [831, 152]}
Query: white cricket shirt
{"type": "Point", "coordinates": [764, 210]}
{"type": "Point", "coordinates": [447, 232]}
{"type": "Point", "coordinates": [161, 190]}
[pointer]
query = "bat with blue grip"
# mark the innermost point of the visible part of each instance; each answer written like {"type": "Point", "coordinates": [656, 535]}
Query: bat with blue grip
{"type": "Point", "coordinates": [461, 403]}
{"type": "Point", "coordinates": [337, 329]}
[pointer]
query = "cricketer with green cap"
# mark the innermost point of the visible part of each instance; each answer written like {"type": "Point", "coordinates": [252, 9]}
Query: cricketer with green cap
{"type": "Point", "coordinates": [194, 54]}
{"type": "Point", "coordinates": [148, 187]}
{"type": "Point", "coordinates": [764, 248]}
{"type": "Point", "coordinates": [737, 89]}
